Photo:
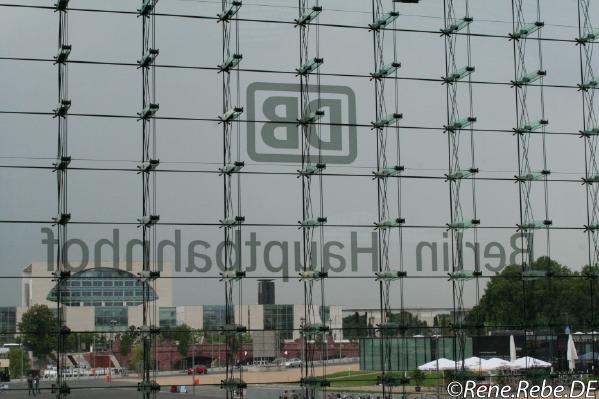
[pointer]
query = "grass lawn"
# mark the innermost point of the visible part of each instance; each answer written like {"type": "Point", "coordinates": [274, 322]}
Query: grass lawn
{"type": "Point", "coordinates": [366, 378]}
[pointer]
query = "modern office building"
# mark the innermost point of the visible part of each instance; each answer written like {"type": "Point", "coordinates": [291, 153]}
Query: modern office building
{"type": "Point", "coordinates": [8, 322]}
{"type": "Point", "coordinates": [266, 292]}
{"type": "Point", "coordinates": [109, 299]}
{"type": "Point", "coordinates": [102, 298]}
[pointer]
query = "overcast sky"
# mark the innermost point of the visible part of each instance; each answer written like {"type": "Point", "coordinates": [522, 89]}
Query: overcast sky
{"type": "Point", "coordinates": [115, 196]}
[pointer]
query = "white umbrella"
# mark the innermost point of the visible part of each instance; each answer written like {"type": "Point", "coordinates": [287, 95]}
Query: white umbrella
{"type": "Point", "coordinates": [495, 363]}
{"type": "Point", "coordinates": [512, 349]}
{"type": "Point", "coordinates": [474, 363]}
{"type": "Point", "coordinates": [529, 362]}
{"type": "Point", "coordinates": [439, 364]}
{"type": "Point", "coordinates": [571, 354]}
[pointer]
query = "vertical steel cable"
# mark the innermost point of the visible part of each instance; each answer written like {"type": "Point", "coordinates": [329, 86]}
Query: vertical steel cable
{"type": "Point", "coordinates": [149, 162]}
{"type": "Point", "coordinates": [62, 273]}
{"type": "Point", "coordinates": [527, 149]}
{"type": "Point", "coordinates": [314, 328]}
{"type": "Point", "coordinates": [386, 126]}
{"type": "Point", "coordinates": [232, 221]}
{"type": "Point", "coordinates": [590, 131]}
{"type": "Point", "coordinates": [460, 122]}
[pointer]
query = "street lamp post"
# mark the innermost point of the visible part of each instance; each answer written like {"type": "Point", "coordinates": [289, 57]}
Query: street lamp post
{"type": "Point", "coordinates": [113, 323]}
{"type": "Point", "coordinates": [193, 364]}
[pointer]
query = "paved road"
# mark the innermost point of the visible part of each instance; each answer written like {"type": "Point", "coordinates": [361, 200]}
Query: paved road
{"type": "Point", "coordinates": [98, 389]}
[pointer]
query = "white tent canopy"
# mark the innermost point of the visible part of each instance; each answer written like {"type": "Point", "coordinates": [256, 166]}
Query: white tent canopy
{"type": "Point", "coordinates": [473, 363]}
{"type": "Point", "coordinates": [529, 362]}
{"type": "Point", "coordinates": [478, 364]}
{"type": "Point", "coordinates": [439, 364]}
{"type": "Point", "coordinates": [495, 363]}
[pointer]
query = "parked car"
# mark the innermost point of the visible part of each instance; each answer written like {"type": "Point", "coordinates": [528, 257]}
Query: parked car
{"type": "Point", "coordinates": [198, 370]}
{"type": "Point", "coordinates": [293, 362]}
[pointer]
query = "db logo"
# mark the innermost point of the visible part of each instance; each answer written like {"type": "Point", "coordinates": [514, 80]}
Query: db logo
{"type": "Point", "coordinates": [275, 139]}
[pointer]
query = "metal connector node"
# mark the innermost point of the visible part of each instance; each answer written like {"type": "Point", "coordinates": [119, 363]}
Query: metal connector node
{"type": "Point", "coordinates": [310, 66]}
{"type": "Point", "coordinates": [230, 12]}
{"type": "Point", "coordinates": [62, 109]}
{"type": "Point", "coordinates": [149, 165]}
{"type": "Point", "coordinates": [233, 385]}
{"type": "Point", "coordinates": [313, 275]}
{"type": "Point", "coordinates": [61, 5]}
{"type": "Point", "coordinates": [231, 222]}
{"type": "Point", "coordinates": [231, 168]}
{"type": "Point", "coordinates": [63, 54]}
{"type": "Point", "coordinates": [148, 220]}
{"type": "Point", "coordinates": [231, 115]}
{"type": "Point", "coordinates": [233, 329]}
{"type": "Point", "coordinates": [62, 163]}
{"type": "Point", "coordinates": [385, 20]}
{"type": "Point", "coordinates": [387, 121]}
{"type": "Point", "coordinates": [389, 223]}
{"type": "Point", "coordinates": [458, 26]}
{"type": "Point", "coordinates": [390, 171]}
{"type": "Point", "coordinates": [62, 219]}
{"type": "Point", "coordinates": [149, 275]}
{"type": "Point", "coordinates": [390, 275]}
{"type": "Point", "coordinates": [148, 58]}
{"type": "Point", "coordinates": [312, 117]}
{"type": "Point", "coordinates": [146, 8]}
{"type": "Point", "coordinates": [230, 63]}
{"type": "Point", "coordinates": [232, 275]}
{"type": "Point", "coordinates": [386, 70]}
{"type": "Point", "coordinates": [311, 169]}
{"type": "Point", "coordinates": [308, 16]}
{"type": "Point", "coordinates": [463, 224]}
{"type": "Point", "coordinates": [311, 223]}
{"type": "Point", "coordinates": [149, 111]}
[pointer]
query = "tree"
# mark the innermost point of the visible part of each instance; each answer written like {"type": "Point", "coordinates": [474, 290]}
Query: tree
{"type": "Point", "coordinates": [38, 327]}
{"type": "Point", "coordinates": [19, 363]}
{"type": "Point", "coordinates": [183, 335]}
{"type": "Point", "coordinates": [137, 360]}
{"type": "Point", "coordinates": [127, 341]}
{"type": "Point", "coordinates": [410, 324]}
{"type": "Point", "coordinates": [442, 323]}
{"type": "Point", "coordinates": [355, 326]}
{"type": "Point", "coordinates": [555, 296]}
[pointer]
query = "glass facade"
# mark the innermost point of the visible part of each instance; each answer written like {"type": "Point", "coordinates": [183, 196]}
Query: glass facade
{"type": "Point", "coordinates": [408, 353]}
{"type": "Point", "coordinates": [8, 322]}
{"type": "Point", "coordinates": [110, 319]}
{"type": "Point", "coordinates": [214, 317]}
{"type": "Point", "coordinates": [168, 317]}
{"type": "Point", "coordinates": [102, 287]}
{"type": "Point", "coordinates": [280, 318]}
